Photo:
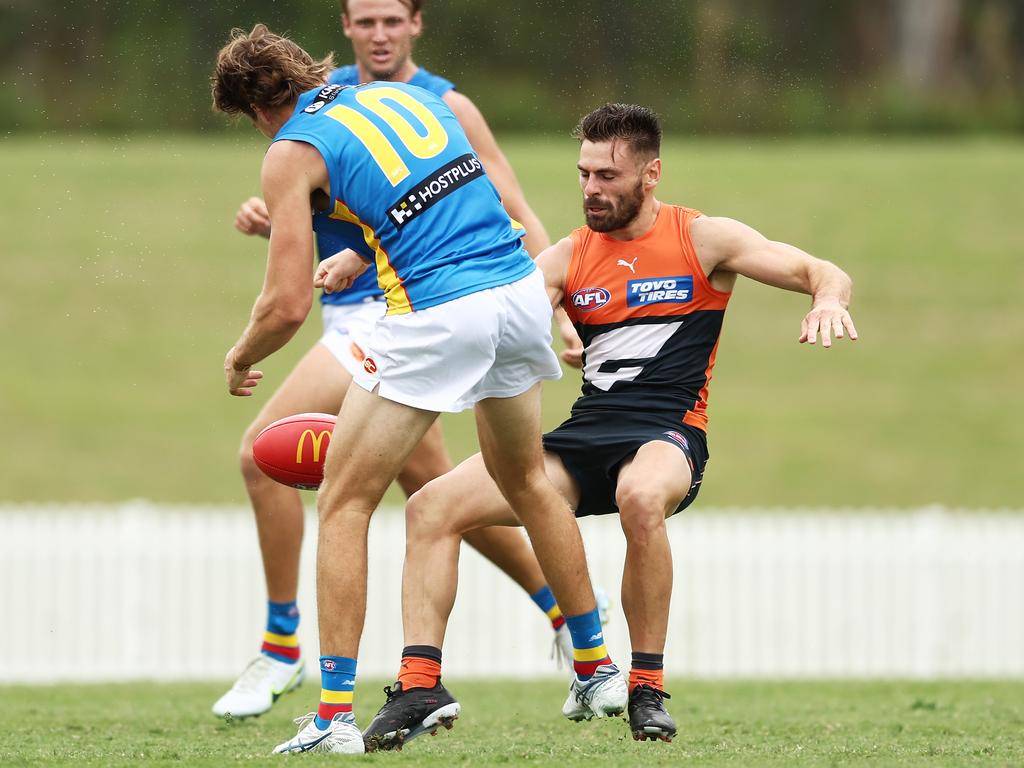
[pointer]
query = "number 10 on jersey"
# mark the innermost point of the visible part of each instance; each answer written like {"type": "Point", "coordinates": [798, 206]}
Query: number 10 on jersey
{"type": "Point", "coordinates": [373, 100]}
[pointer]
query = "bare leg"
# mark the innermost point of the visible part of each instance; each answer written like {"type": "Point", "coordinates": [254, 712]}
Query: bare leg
{"type": "Point", "coordinates": [509, 429]}
{"type": "Point", "coordinates": [371, 441]}
{"type": "Point", "coordinates": [651, 485]}
{"type": "Point", "coordinates": [428, 460]}
{"type": "Point", "coordinates": [437, 518]}
{"type": "Point", "coordinates": [511, 552]}
{"type": "Point", "coordinates": [505, 548]}
{"type": "Point", "coordinates": [318, 383]}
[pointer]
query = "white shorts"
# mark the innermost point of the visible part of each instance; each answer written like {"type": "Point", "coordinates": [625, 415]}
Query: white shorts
{"type": "Point", "coordinates": [447, 358]}
{"type": "Point", "coordinates": [348, 328]}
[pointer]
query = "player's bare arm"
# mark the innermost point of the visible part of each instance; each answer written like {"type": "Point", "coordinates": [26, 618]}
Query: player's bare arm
{"type": "Point", "coordinates": [498, 169]}
{"type": "Point", "coordinates": [727, 247]}
{"type": "Point", "coordinates": [554, 263]}
{"type": "Point", "coordinates": [291, 170]}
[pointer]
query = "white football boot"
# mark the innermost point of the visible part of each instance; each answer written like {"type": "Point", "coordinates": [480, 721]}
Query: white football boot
{"type": "Point", "coordinates": [259, 686]}
{"type": "Point", "coordinates": [341, 736]}
{"type": "Point", "coordinates": [603, 695]}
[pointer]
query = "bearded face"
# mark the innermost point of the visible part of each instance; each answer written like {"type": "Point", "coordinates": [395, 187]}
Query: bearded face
{"type": "Point", "coordinates": [611, 211]}
{"type": "Point", "coordinates": [612, 179]}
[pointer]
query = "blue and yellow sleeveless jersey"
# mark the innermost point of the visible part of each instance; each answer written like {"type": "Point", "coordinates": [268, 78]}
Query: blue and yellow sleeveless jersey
{"type": "Point", "coordinates": [428, 81]}
{"type": "Point", "coordinates": [332, 238]}
{"type": "Point", "coordinates": [404, 176]}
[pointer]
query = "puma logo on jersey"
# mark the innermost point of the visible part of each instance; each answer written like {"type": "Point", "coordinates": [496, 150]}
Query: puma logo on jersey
{"type": "Point", "coordinates": [660, 290]}
{"type": "Point", "coordinates": [630, 264]}
{"type": "Point", "coordinates": [589, 299]}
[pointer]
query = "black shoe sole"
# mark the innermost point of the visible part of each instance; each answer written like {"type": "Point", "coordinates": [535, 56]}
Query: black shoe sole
{"type": "Point", "coordinates": [653, 733]}
{"type": "Point", "coordinates": [395, 740]}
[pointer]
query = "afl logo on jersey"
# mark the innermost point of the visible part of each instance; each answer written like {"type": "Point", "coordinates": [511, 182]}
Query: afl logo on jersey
{"type": "Point", "coordinates": [369, 365]}
{"type": "Point", "coordinates": [589, 299]}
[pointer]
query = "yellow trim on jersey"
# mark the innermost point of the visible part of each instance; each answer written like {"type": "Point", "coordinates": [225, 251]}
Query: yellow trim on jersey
{"type": "Point", "coordinates": [387, 278]}
{"type": "Point", "coordinates": [589, 654]}
{"type": "Point", "coordinates": [516, 224]}
{"type": "Point", "coordinates": [285, 641]}
{"type": "Point", "coordinates": [335, 697]}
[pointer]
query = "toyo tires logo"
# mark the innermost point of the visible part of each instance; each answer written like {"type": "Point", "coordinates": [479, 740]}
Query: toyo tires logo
{"type": "Point", "coordinates": [589, 299]}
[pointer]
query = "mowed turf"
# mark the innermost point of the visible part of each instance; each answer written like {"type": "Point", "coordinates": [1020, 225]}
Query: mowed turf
{"type": "Point", "coordinates": [124, 284]}
{"type": "Point", "coordinates": [508, 723]}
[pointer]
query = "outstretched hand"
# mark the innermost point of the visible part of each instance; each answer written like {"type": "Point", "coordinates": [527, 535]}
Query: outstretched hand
{"type": "Point", "coordinates": [827, 319]}
{"type": "Point", "coordinates": [241, 379]}
{"type": "Point", "coordinates": [338, 272]}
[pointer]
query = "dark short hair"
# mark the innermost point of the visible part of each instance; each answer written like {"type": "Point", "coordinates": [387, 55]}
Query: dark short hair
{"type": "Point", "coordinates": [636, 125]}
{"type": "Point", "coordinates": [414, 6]}
{"type": "Point", "coordinates": [263, 69]}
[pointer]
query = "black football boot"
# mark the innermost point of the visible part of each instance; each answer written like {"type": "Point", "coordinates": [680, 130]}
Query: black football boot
{"type": "Point", "coordinates": [408, 714]}
{"type": "Point", "coordinates": [648, 718]}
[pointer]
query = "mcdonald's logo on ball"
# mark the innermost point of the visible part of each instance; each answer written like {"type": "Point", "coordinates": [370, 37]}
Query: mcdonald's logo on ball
{"type": "Point", "coordinates": [281, 451]}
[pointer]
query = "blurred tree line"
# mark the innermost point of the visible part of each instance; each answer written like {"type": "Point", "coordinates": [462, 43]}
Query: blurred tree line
{"type": "Point", "coordinates": [708, 66]}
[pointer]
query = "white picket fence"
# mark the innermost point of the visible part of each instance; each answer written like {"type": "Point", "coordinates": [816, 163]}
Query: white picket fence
{"type": "Point", "coordinates": [158, 592]}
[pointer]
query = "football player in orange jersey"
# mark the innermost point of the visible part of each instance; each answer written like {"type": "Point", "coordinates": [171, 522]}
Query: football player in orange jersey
{"type": "Point", "coordinates": [646, 284]}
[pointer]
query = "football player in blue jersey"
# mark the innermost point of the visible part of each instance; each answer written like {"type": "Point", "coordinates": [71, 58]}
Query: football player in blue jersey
{"type": "Point", "coordinates": [382, 33]}
{"type": "Point", "coordinates": [467, 326]}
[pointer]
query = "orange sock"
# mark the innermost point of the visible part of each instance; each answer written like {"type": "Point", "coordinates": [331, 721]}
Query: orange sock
{"type": "Point", "coordinates": [655, 678]}
{"type": "Point", "coordinates": [419, 672]}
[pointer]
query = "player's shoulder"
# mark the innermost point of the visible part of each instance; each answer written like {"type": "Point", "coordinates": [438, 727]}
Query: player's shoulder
{"type": "Point", "coordinates": [561, 250]}
{"type": "Point", "coordinates": [439, 86]}
{"type": "Point", "coordinates": [344, 75]}
{"type": "Point", "coordinates": [286, 156]}
{"type": "Point", "coordinates": [554, 261]}
{"type": "Point", "coordinates": [461, 105]}
{"type": "Point", "coordinates": [715, 230]}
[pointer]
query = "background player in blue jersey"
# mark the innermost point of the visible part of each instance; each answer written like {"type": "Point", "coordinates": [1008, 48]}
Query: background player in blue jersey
{"type": "Point", "coordinates": [382, 33]}
{"type": "Point", "coordinates": [467, 325]}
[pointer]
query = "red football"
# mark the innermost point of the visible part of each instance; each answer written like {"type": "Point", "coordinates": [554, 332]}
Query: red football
{"type": "Point", "coordinates": [292, 450]}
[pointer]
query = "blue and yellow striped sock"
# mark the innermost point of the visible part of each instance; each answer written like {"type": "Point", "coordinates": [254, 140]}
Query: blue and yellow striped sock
{"type": "Point", "coordinates": [337, 681]}
{"type": "Point", "coordinates": [545, 600]}
{"type": "Point", "coordinates": [280, 640]}
{"type": "Point", "coordinates": [588, 644]}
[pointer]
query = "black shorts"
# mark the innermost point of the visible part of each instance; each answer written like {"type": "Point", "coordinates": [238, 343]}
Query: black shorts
{"type": "Point", "coordinates": [594, 444]}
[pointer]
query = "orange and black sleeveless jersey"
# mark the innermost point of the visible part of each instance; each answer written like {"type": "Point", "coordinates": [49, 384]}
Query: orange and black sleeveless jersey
{"type": "Point", "coordinates": [648, 317]}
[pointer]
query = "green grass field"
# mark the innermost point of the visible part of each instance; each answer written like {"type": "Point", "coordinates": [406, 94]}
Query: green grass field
{"type": "Point", "coordinates": [124, 284]}
{"type": "Point", "coordinates": [506, 723]}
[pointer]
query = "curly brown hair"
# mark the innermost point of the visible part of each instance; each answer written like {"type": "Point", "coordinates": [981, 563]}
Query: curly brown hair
{"type": "Point", "coordinates": [261, 69]}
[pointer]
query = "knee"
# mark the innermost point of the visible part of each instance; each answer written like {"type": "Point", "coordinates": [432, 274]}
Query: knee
{"type": "Point", "coordinates": [425, 513]}
{"type": "Point", "coordinates": [418, 472]}
{"type": "Point", "coordinates": [250, 471]}
{"type": "Point", "coordinates": [338, 505]}
{"type": "Point", "coordinates": [641, 513]}
{"type": "Point", "coordinates": [523, 488]}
